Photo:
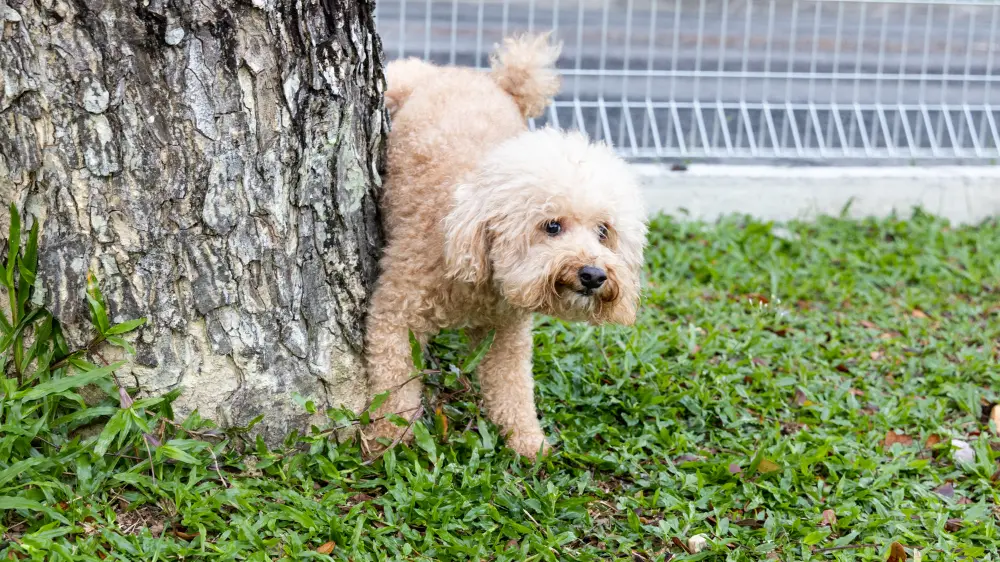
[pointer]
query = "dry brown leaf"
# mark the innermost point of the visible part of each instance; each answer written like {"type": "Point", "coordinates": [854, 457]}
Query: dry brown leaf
{"type": "Point", "coordinates": [800, 398]}
{"type": "Point", "coordinates": [932, 439]}
{"type": "Point", "coordinates": [869, 325]}
{"type": "Point", "coordinates": [891, 438]}
{"type": "Point", "coordinates": [359, 498]}
{"type": "Point", "coordinates": [766, 466]}
{"type": "Point", "coordinates": [896, 553]}
{"type": "Point", "coordinates": [856, 392]}
{"type": "Point", "coordinates": [444, 420]}
{"type": "Point", "coordinates": [876, 355]}
{"type": "Point", "coordinates": [829, 518]}
{"type": "Point", "coordinates": [953, 525]}
{"type": "Point", "coordinates": [326, 548]}
{"type": "Point", "coordinates": [680, 544]}
{"type": "Point", "coordinates": [184, 535]}
{"type": "Point", "coordinates": [995, 416]}
{"type": "Point", "coordinates": [917, 313]}
{"type": "Point", "coordinates": [889, 335]}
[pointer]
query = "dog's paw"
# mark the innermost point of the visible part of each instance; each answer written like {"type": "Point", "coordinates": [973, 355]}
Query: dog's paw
{"type": "Point", "coordinates": [530, 445]}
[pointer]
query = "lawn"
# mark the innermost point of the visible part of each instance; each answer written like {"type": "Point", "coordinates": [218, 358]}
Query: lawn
{"type": "Point", "coordinates": [789, 392]}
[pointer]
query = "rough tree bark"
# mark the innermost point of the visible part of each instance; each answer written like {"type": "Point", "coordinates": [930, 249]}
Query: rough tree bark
{"type": "Point", "coordinates": [214, 162]}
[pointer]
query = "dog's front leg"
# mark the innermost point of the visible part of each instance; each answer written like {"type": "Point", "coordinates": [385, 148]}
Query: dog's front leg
{"type": "Point", "coordinates": [508, 388]}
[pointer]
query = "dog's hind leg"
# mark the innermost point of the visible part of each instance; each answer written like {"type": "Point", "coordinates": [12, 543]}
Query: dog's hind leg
{"type": "Point", "coordinates": [508, 388]}
{"type": "Point", "coordinates": [390, 368]}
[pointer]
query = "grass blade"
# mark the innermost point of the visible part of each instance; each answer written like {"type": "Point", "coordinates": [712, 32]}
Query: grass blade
{"type": "Point", "coordinates": [416, 350]}
{"type": "Point", "coordinates": [117, 424]}
{"type": "Point", "coordinates": [126, 327]}
{"type": "Point", "coordinates": [9, 503]}
{"type": "Point", "coordinates": [98, 311]}
{"type": "Point", "coordinates": [481, 350]}
{"type": "Point", "coordinates": [17, 468]}
{"type": "Point", "coordinates": [63, 384]}
{"type": "Point", "coordinates": [13, 245]}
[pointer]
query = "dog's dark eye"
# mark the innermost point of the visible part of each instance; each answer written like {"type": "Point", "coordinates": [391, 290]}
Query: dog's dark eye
{"type": "Point", "coordinates": [553, 228]}
{"type": "Point", "coordinates": [602, 231]}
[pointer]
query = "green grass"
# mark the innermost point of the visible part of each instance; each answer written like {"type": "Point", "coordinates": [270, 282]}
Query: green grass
{"type": "Point", "coordinates": [718, 414]}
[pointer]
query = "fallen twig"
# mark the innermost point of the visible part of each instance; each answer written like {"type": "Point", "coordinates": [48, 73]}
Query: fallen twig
{"type": "Point", "coordinates": [215, 462]}
{"type": "Point", "coordinates": [398, 439]}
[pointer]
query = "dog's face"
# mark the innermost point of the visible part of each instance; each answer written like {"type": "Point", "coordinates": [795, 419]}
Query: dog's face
{"type": "Point", "coordinates": [555, 224]}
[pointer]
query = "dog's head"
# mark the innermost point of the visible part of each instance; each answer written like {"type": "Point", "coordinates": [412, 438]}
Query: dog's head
{"type": "Point", "coordinates": [556, 224]}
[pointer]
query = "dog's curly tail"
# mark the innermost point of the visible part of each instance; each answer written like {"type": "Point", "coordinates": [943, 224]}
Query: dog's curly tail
{"type": "Point", "coordinates": [524, 67]}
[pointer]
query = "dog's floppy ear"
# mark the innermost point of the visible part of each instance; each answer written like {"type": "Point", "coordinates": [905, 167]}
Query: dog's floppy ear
{"type": "Point", "coordinates": [467, 239]}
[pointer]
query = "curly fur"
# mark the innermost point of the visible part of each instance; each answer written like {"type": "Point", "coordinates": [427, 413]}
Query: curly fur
{"type": "Point", "coordinates": [468, 192]}
{"type": "Point", "coordinates": [524, 67]}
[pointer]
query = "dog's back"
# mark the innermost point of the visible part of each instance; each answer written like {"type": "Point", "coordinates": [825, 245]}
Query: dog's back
{"type": "Point", "coordinates": [524, 68]}
{"type": "Point", "coordinates": [444, 119]}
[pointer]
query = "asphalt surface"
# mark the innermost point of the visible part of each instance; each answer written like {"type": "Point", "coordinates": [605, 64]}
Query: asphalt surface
{"type": "Point", "coordinates": [764, 53]}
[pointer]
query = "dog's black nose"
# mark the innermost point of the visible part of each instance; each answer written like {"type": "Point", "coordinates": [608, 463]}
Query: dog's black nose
{"type": "Point", "coordinates": [592, 277]}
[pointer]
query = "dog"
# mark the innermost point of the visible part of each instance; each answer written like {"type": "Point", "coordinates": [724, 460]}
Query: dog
{"type": "Point", "coordinates": [488, 223]}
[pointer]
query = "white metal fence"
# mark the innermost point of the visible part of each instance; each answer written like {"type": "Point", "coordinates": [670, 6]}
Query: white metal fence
{"type": "Point", "coordinates": [823, 80]}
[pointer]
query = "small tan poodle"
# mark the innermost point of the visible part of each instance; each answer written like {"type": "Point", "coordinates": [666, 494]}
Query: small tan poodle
{"type": "Point", "coordinates": [488, 223]}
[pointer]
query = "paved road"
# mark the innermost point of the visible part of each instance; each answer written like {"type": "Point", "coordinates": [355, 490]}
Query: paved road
{"type": "Point", "coordinates": [710, 50]}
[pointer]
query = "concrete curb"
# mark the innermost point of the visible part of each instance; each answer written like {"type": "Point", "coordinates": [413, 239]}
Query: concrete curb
{"type": "Point", "coordinates": [961, 194]}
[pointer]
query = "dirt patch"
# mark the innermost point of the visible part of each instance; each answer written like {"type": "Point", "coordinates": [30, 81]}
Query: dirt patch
{"type": "Point", "coordinates": [133, 521]}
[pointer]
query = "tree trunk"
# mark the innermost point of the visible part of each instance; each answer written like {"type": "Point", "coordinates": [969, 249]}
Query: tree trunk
{"type": "Point", "coordinates": [214, 163]}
